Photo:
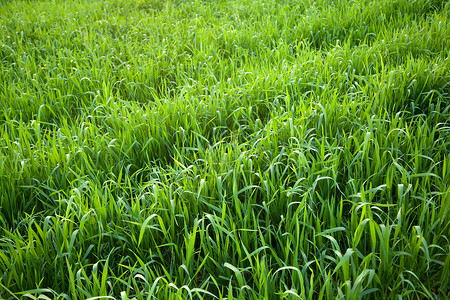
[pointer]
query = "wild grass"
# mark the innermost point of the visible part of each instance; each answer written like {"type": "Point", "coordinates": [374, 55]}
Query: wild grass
{"type": "Point", "coordinates": [276, 149]}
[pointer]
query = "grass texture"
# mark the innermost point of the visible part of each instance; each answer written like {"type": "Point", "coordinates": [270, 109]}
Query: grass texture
{"type": "Point", "coordinates": [229, 149]}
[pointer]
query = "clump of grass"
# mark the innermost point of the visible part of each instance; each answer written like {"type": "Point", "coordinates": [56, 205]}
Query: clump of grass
{"type": "Point", "coordinates": [224, 149]}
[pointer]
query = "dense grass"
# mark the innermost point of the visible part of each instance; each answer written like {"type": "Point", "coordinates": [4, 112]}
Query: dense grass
{"type": "Point", "coordinates": [263, 149]}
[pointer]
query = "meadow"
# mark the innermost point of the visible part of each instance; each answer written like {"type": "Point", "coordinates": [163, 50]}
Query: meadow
{"type": "Point", "coordinates": [229, 149]}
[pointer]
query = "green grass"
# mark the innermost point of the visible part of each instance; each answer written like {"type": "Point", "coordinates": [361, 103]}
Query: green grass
{"type": "Point", "coordinates": [263, 149]}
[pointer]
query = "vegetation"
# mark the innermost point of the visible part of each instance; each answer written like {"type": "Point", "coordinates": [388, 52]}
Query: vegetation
{"type": "Point", "coordinates": [263, 149]}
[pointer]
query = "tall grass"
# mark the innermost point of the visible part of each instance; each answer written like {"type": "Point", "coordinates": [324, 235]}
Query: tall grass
{"type": "Point", "coordinates": [277, 149]}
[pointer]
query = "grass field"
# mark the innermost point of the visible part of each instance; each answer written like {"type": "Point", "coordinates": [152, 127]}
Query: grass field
{"type": "Point", "coordinates": [229, 149]}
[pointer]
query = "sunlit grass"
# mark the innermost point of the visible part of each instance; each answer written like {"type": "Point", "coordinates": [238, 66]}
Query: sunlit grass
{"type": "Point", "coordinates": [272, 149]}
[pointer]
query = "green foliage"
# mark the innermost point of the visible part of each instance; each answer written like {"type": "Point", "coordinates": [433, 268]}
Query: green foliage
{"type": "Point", "coordinates": [263, 149]}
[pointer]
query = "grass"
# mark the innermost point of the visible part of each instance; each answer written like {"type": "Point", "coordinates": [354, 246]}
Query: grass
{"type": "Point", "coordinates": [276, 149]}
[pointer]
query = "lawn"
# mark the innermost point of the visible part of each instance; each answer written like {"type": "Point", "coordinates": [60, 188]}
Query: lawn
{"type": "Point", "coordinates": [225, 149]}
